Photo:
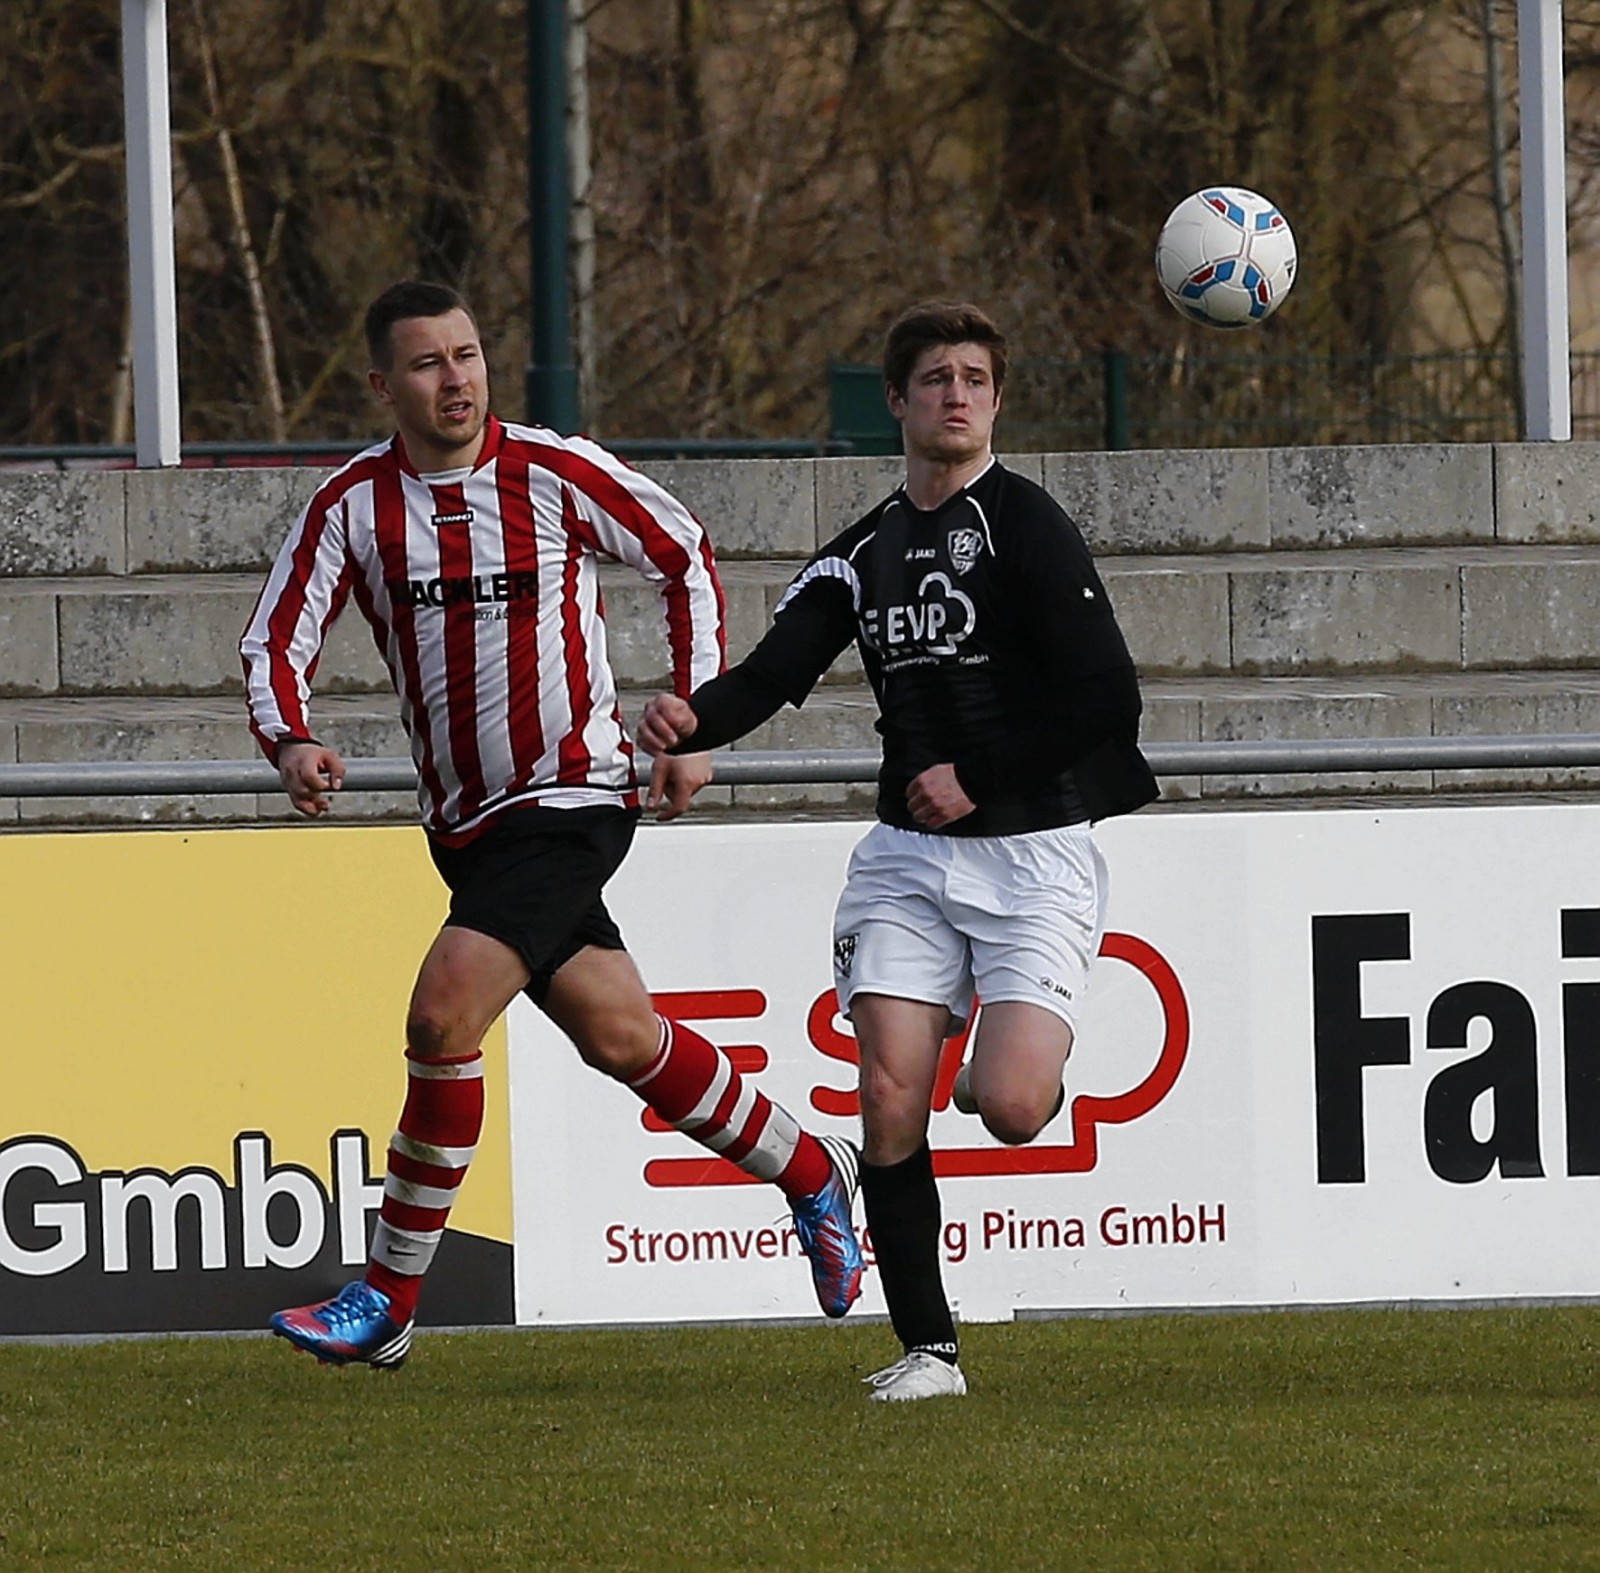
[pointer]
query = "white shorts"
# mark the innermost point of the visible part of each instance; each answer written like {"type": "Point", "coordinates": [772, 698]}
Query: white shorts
{"type": "Point", "coordinates": [937, 918]}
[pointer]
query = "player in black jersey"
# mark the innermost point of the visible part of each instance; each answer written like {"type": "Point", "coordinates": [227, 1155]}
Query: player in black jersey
{"type": "Point", "coordinates": [1009, 711]}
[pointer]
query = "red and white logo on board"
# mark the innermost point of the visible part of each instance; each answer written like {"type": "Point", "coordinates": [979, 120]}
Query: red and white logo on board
{"type": "Point", "coordinates": [1085, 1112]}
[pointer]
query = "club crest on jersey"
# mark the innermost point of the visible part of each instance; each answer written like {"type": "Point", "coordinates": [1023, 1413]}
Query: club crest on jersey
{"type": "Point", "coordinates": [459, 516]}
{"type": "Point", "coordinates": [844, 954]}
{"type": "Point", "coordinates": [965, 548]}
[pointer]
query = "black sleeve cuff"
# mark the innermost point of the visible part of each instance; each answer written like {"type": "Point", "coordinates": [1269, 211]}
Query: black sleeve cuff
{"type": "Point", "coordinates": [977, 779]}
{"type": "Point", "coordinates": [729, 706]}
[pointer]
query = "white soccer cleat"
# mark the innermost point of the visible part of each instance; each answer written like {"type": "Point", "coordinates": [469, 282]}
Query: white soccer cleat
{"type": "Point", "coordinates": [918, 1375]}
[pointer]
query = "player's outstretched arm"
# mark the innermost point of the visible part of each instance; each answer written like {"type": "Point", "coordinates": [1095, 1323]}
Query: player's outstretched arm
{"type": "Point", "coordinates": [309, 773]}
{"type": "Point", "coordinates": [723, 710]}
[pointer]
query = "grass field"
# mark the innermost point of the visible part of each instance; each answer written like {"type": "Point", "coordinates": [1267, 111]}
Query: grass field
{"type": "Point", "coordinates": [1365, 1439]}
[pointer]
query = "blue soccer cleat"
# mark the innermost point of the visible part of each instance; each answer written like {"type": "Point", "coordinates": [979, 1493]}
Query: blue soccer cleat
{"type": "Point", "coordinates": [353, 1328]}
{"type": "Point", "coordinates": [822, 1223]}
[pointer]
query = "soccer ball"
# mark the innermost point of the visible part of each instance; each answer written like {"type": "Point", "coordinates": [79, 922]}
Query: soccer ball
{"type": "Point", "coordinates": [1226, 257]}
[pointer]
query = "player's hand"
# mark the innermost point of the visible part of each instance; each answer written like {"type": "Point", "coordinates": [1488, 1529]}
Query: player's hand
{"type": "Point", "coordinates": [309, 772]}
{"type": "Point", "coordinates": [666, 722]}
{"type": "Point", "coordinates": [674, 780]}
{"type": "Point", "coordinates": [936, 799]}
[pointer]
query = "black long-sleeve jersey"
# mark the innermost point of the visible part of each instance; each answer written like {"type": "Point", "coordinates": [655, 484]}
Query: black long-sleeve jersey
{"type": "Point", "coordinates": [990, 644]}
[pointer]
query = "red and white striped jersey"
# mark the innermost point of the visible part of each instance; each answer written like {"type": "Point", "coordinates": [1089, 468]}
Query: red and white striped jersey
{"type": "Point", "coordinates": [482, 592]}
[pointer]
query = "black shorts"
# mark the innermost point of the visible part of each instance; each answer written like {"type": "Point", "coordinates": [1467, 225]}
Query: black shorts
{"type": "Point", "coordinates": [533, 879]}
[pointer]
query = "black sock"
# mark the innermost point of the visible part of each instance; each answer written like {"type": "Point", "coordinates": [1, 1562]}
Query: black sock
{"type": "Point", "coordinates": [902, 1206]}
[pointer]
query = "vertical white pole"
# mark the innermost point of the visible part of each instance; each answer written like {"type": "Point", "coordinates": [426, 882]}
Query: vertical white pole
{"type": "Point", "coordinates": [152, 275]}
{"type": "Point", "coordinates": [1545, 349]}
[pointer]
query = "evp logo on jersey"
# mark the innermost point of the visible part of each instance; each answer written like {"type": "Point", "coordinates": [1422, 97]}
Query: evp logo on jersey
{"type": "Point", "coordinates": [1085, 1113]}
{"type": "Point", "coordinates": [935, 624]}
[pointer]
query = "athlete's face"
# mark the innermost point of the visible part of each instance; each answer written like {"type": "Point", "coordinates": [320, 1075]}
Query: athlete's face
{"type": "Point", "coordinates": [950, 403]}
{"type": "Point", "coordinates": [438, 386]}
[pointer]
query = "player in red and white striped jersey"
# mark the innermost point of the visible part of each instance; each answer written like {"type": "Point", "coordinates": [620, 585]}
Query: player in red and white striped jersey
{"type": "Point", "coordinates": [471, 547]}
{"type": "Point", "coordinates": [481, 586]}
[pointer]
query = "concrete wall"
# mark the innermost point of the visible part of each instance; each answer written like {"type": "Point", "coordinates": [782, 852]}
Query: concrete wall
{"type": "Point", "coordinates": [1355, 591]}
{"type": "Point", "coordinates": [1200, 501]}
{"type": "Point", "coordinates": [1243, 561]}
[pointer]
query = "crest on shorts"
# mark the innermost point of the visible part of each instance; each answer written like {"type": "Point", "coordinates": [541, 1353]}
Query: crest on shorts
{"type": "Point", "coordinates": [965, 547]}
{"type": "Point", "coordinates": [844, 954]}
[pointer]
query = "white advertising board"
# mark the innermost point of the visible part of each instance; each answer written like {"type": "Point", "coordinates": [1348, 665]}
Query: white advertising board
{"type": "Point", "coordinates": [1329, 1056]}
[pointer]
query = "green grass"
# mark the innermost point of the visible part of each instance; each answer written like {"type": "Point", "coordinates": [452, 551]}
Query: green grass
{"type": "Point", "coordinates": [1310, 1441]}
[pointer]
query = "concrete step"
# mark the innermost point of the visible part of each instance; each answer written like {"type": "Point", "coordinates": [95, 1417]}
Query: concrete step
{"type": "Point", "coordinates": [1195, 709]}
{"type": "Point", "coordinates": [1206, 500]}
{"type": "Point", "coordinates": [1361, 609]}
{"type": "Point", "coordinates": [156, 634]}
{"type": "Point", "coordinates": [1437, 704]}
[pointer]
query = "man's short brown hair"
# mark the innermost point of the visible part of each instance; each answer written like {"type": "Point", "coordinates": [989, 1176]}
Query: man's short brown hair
{"type": "Point", "coordinates": [409, 298]}
{"type": "Point", "coordinates": [932, 322]}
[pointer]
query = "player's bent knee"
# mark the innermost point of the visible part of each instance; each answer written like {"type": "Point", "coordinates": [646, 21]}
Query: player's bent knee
{"type": "Point", "coordinates": [1013, 1123]}
{"type": "Point", "coordinates": [432, 1036]}
{"type": "Point", "coordinates": [619, 1045]}
{"type": "Point", "coordinates": [1012, 1135]}
{"type": "Point", "coordinates": [899, 1118]}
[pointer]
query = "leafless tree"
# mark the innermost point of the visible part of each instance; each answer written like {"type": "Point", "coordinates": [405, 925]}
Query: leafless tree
{"type": "Point", "coordinates": [767, 181]}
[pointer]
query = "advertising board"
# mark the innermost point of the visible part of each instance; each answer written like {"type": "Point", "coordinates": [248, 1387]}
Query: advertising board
{"type": "Point", "coordinates": [1329, 1056]}
{"type": "Point", "coordinates": [202, 1045]}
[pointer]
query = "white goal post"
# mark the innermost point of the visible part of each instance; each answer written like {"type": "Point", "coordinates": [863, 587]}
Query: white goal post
{"type": "Point", "coordinates": [153, 294]}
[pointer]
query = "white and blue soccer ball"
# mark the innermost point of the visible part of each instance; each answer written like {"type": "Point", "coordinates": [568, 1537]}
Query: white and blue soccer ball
{"type": "Point", "coordinates": [1226, 257]}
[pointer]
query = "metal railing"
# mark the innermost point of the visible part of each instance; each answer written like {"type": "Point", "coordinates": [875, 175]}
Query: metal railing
{"type": "Point", "coordinates": [1264, 399]}
{"type": "Point", "coordinates": [221, 777]}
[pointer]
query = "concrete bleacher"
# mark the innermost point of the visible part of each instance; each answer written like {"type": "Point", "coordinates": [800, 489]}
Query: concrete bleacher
{"type": "Point", "coordinates": [1266, 593]}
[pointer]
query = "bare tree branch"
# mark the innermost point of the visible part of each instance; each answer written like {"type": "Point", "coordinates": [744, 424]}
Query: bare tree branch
{"type": "Point", "coordinates": [40, 194]}
{"type": "Point", "coordinates": [261, 319]}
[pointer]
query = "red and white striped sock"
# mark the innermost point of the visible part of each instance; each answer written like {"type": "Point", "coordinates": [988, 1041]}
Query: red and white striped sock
{"type": "Point", "coordinates": [696, 1089]}
{"type": "Point", "coordinates": [428, 1159]}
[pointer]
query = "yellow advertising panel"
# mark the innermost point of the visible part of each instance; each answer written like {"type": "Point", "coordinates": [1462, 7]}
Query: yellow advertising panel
{"type": "Point", "coordinates": [203, 1042]}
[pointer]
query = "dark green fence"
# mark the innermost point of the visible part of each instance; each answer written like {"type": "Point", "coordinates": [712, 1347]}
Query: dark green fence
{"type": "Point", "coordinates": [1114, 400]}
{"type": "Point", "coordinates": [1118, 400]}
{"type": "Point", "coordinates": [240, 455]}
